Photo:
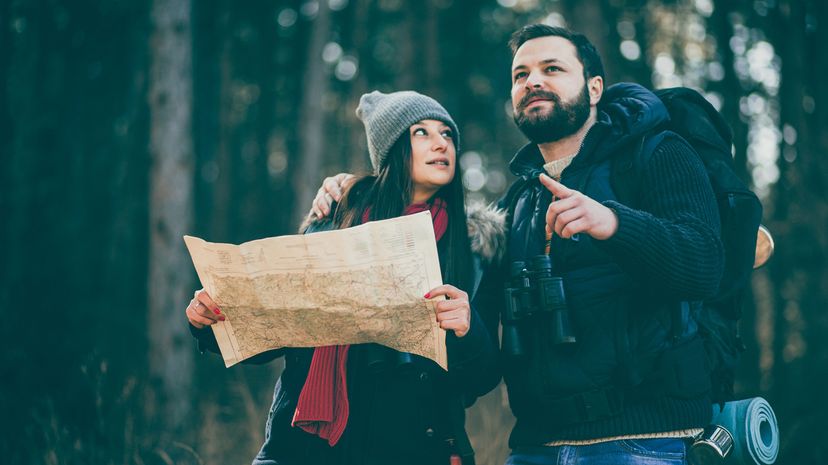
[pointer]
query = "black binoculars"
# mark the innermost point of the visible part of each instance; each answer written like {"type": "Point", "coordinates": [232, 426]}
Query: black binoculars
{"type": "Point", "coordinates": [533, 294]}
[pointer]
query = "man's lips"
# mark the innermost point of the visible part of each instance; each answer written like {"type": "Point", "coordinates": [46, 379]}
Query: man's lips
{"type": "Point", "coordinates": [535, 100]}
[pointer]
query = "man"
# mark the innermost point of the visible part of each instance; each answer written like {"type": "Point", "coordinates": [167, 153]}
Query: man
{"type": "Point", "coordinates": [626, 380]}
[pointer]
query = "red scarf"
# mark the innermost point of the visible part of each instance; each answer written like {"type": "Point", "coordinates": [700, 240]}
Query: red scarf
{"type": "Point", "coordinates": [322, 408]}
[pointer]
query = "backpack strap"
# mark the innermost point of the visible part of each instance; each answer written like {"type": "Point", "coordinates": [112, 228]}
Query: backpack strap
{"type": "Point", "coordinates": [628, 165]}
{"type": "Point", "coordinates": [625, 173]}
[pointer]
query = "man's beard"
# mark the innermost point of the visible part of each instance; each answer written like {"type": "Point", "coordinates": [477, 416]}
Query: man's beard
{"type": "Point", "coordinates": [564, 119]}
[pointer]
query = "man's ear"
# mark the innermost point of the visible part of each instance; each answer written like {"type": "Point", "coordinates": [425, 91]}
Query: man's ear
{"type": "Point", "coordinates": [595, 85]}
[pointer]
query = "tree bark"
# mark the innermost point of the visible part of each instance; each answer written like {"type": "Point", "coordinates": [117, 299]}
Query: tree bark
{"type": "Point", "coordinates": [358, 150]}
{"type": "Point", "coordinates": [312, 116]}
{"type": "Point", "coordinates": [798, 217]}
{"type": "Point", "coordinates": [589, 18]}
{"type": "Point", "coordinates": [433, 58]}
{"type": "Point", "coordinates": [171, 207]}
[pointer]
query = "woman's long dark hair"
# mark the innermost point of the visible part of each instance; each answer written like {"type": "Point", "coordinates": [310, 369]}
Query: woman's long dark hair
{"type": "Point", "coordinates": [389, 192]}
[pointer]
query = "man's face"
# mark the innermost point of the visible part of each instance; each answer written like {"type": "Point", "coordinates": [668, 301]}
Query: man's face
{"type": "Point", "coordinates": [550, 97]}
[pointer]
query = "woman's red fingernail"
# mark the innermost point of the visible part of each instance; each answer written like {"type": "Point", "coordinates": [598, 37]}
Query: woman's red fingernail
{"type": "Point", "coordinates": [217, 312]}
{"type": "Point", "coordinates": [428, 295]}
{"type": "Point", "coordinates": [221, 318]}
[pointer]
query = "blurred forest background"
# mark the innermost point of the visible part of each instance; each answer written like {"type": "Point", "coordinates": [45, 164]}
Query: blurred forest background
{"type": "Point", "coordinates": [126, 124]}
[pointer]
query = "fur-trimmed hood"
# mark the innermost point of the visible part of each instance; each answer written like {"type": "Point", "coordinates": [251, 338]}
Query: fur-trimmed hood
{"type": "Point", "coordinates": [487, 230]}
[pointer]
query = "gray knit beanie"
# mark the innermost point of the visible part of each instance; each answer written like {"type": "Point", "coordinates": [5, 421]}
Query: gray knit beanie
{"type": "Point", "coordinates": [388, 116]}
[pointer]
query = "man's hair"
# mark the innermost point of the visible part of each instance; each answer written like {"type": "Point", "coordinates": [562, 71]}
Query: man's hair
{"type": "Point", "coordinates": [584, 49]}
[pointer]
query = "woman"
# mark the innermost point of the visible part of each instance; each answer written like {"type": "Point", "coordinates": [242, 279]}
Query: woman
{"type": "Point", "coordinates": [395, 407]}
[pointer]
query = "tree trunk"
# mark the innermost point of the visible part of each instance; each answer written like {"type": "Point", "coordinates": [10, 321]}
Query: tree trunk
{"type": "Point", "coordinates": [799, 216]}
{"type": "Point", "coordinates": [589, 18]}
{"type": "Point", "coordinates": [312, 116]}
{"type": "Point", "coordinates": [222, 214]}
{"type": "Point", "coordinates": [357, 152]}
{"type": "Point", "coordinates": [433, 58]}
{"type": "Point", "coordinates": [171, 207]}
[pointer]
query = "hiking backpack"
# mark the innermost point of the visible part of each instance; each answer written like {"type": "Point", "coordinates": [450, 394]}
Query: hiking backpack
{"type": "Point", "coordinates": [705, 130]}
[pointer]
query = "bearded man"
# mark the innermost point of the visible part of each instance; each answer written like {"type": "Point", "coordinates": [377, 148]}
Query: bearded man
{"type": "Point", "coordinates": [618, 374]}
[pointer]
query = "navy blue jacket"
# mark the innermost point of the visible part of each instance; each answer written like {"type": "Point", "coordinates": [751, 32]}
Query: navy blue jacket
{"type": "Point", "coordinates": [621, 293]}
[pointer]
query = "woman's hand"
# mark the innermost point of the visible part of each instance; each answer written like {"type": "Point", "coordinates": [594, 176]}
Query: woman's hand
{"type": "Point", "coordinates": [202, 311]}
{"type": "Point", "coordinates": [454, 313]}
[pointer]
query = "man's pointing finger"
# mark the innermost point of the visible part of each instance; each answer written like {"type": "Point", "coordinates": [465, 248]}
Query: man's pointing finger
{"type": "Point", "coordinates": [557, 189]}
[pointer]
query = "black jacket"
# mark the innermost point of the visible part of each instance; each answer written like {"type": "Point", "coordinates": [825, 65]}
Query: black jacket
{"type": "Point", "coordinates": [624, 294]}
{"type": "Point", "coordinates": [399, 413]}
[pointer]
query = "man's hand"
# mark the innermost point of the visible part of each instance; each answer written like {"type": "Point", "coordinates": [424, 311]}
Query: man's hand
{"type": "Point", "coordinates": [330, 191]}
{"type": "Point", "coordinates": [454, 313]}
{"type": "Point", "coordinates": [572, 212]}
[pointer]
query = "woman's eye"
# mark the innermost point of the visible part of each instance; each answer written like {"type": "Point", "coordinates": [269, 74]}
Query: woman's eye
{"type": "Point", "coordinates": [447, 134]}
{"type": "Point", "coordinates": [420, 132]}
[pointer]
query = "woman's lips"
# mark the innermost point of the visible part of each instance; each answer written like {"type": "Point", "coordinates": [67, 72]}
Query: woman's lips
{"type": "Point", "coordinates": [440, 163]}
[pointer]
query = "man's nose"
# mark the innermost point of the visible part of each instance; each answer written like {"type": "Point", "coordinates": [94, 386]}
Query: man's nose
{"type": "Point", "coordinates": [534, 80]}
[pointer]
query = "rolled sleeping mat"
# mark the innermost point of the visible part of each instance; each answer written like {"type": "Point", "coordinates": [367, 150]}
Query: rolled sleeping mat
{"type": "Point", "coordinates": [755, 431]}
{"type": "Point", "coordinates": [744, 432]}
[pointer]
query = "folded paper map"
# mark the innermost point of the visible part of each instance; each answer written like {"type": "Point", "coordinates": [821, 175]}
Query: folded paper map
{"type": "Point", "coordinates": [348, 286]}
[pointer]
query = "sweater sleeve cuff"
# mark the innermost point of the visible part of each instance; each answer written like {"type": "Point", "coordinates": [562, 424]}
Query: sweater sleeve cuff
{"type": "Point", "coordinates": [205, 339]}
{"type": "Point", "coordinates": [632, 226]}
{"type": "Point", "coordinates": [470, 346]}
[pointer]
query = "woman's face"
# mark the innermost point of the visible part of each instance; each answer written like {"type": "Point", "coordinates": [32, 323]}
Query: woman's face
{"type": "Point", "coordinates": [432, 158]}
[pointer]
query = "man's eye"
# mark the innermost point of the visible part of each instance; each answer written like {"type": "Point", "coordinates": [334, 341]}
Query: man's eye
{"type": "Point", "coordinates": [519, 76]}
{"type": "Point", "coordinates": [552, 69]}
